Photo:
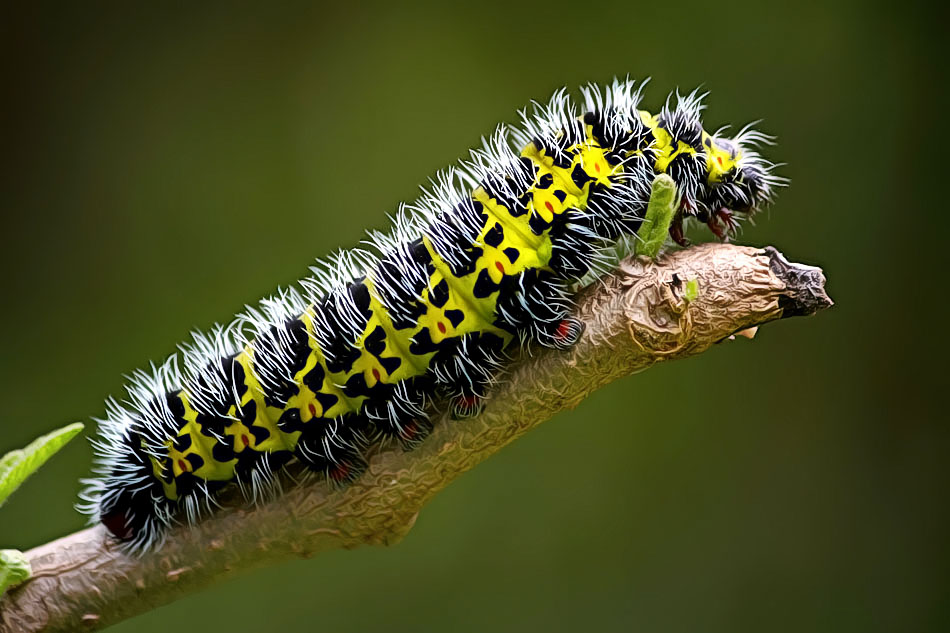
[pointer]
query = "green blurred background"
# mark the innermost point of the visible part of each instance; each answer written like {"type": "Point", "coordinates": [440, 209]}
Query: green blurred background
{"type": "Point", "coordinates": [163, 166]}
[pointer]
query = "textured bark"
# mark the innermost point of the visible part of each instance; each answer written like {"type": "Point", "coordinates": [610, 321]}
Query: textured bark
{"type": "Point", "coordinates": [635, 318]}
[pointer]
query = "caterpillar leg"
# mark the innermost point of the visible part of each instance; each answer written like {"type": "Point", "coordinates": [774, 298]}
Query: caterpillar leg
{"type": "Point", "coordinates": [562, 334]}
{"type": "Point", "coordinates": [466, 406]}
{"type": "Point", "coordinates": [539, 306]}
{"type": "Point", "coordinates": [465, 371]}
{"type": "Point", "coordinates": [414, 433]}
{"type": "Point", "coordinates": [722, 224]}
{"type": "Point", "coordinates": [131, 504]}
{"type": "Point", "coordinates": [346, 471]}
{"type": "Point", "coordinates": [334, 447]}
{"type": "Point", "coordinates": [677, 234]}
{"type": "Point", "coordinates": [256, 473]}
{"type": "Point", "coordinates": [574, 249]}
{"type": "Point", "coordinates": [399, 411]}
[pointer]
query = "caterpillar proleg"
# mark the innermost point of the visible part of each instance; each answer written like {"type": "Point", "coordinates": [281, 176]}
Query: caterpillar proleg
{"type": "Point", "coordinates": [357, 352]}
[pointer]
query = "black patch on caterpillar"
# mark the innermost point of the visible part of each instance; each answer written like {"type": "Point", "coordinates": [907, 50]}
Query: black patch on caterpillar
{"type": "Point", "coordinates": [469, 264]}
{"type": "Point", "coordinates": [212, 425]}
{"type": "Point", "coordinates": [375, 342]}
{"type": "Point", "coordinates": [235, 371]}
{"type": "Point", "coordinates": [464, 367]}
{"type": "Point", "coordinates": [528, 300]}
{"type": "Point", "coordinates": [556, 153]}
{"type": "Point", "coordinates": [313, 379]}
{"type": "Point", "coordinates": [683, 126]}
{"type": "Point", "coordinates": [299, 345]}
{"type": "Point", "coordinates": [339, 349]}
{"type": "Point", "coordinates": [484, 286]}
{"type": "Point", "coordinates": [453, 236]}
{"type": "Point", "coordinates": [322, 446]}
{"type": "Point", "coordinates": [290, 420]}
{"type": "Point", "coordinates": [422, 343]}
{"type": "Point", "coordinates": [455, 317]}
{"type": "Point", "coordinates": [185, 484]}
{"type": "Point", "coordinates": [182, 442]}
{"type": "Point", "coordinates": [688, 171]}
{"type": "Point", "coordinates": [579, 176]}
{"type": "Point", "coordinates": [391, 363]}
{"type": "Point", "coordinates": [439, 294]}
{"type": "Point", "coordinates": [247, 413]}
{"type": "Point", "coordinates": [326, 400]}
{"type": "Point", "coordinates": [249, 461]}
{"type": "Point", "coordinates": [175, 406]}
{"type": "Point", "coordinates": [222, 452]}
{"type": "Point", "coordinates": [389, 413]}
{"type": "Point", "coordinates": [494, 236]}
{"type": "Point", "coordinates": [616, 140]}
{"type": "Point", "coordinates": [359, 293]}
{"type": "Point", "coordinates": [571, 253]}
{"type": "Point", "coordinates": [401, 276]}
{"type": "Point", "coordinates": [260, 433]}
{"type": "Point", "coordinates": [613, 218]}
{"type": "Point", "coordinates": [277, 395]}
{"type": "Point", "coordinates": [538, 224]}
{"type": "Point", "coordinates": [410, 316]}
{"type": "Point", "coordinates": [219, 392]}
{"type": "Point", "coordinates": [494, 189]}
{"type": "Point", "coordinates": [127, 512]}
{"type": "Point", "coordinates": [195, 460]}
{"type": "Point", "coordinates": [356, 386]}
{"type": "Point", "coordinates": [288, 345]}
{"type": "Point", "coordinates": [526, 169]}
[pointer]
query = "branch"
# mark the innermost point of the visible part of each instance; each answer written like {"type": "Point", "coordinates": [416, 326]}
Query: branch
{"type": "Point", "coordinates": [637, 317]}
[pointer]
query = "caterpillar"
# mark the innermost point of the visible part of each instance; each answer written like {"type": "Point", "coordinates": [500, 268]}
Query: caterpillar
{"type": "Point", "coordinates": [359, 350]}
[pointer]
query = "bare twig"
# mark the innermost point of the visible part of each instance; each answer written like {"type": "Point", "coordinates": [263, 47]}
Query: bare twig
{"type": "Point", "coordinates": [637, 317]}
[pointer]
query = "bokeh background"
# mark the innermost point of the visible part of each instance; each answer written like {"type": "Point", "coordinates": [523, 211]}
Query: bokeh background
{"type": "Point", "coordinates": [163, 166]}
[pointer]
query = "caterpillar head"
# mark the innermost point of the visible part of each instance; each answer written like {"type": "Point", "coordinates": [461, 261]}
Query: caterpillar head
{"type": "Point", "coordinates": [720, 180]}
{"type": "Point", "coordinates": [738, 179]}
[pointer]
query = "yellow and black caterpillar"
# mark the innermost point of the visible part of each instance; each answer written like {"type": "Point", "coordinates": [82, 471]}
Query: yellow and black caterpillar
{"type": "Point", "coordinates": [356, 352]}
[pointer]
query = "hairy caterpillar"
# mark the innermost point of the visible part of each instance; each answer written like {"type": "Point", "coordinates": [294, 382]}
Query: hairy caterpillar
{"type": "Point", "coordinates": [356, 353]}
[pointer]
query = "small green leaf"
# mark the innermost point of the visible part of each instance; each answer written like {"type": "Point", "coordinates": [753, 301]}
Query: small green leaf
{"type": "Point", "coordinates": [692, 290]}
{"type": "Point", "coordinates": [14, 568]}
{"type": "Point", "coordinates": [17, 465]}
{"type": "Point", "coordinates": [660, 211]}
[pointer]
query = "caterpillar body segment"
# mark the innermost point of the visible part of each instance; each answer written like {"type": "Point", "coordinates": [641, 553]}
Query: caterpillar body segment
{"type": "Point", "coordinates": [360, 350]}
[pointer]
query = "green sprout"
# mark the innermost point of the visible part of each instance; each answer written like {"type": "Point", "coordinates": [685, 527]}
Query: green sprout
{"type": "Point", "coordinates": [15, 467]}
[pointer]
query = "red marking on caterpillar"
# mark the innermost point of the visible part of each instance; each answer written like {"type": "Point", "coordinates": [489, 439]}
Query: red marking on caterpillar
{"type": "Point", "coordinates": [563, 329]}
{"type": "Point", "coordinates": [117, 523]}
{"type": "Point", "coordinates": [340, 472]}
{"type": "Point", "coordinates": [468, 401]}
